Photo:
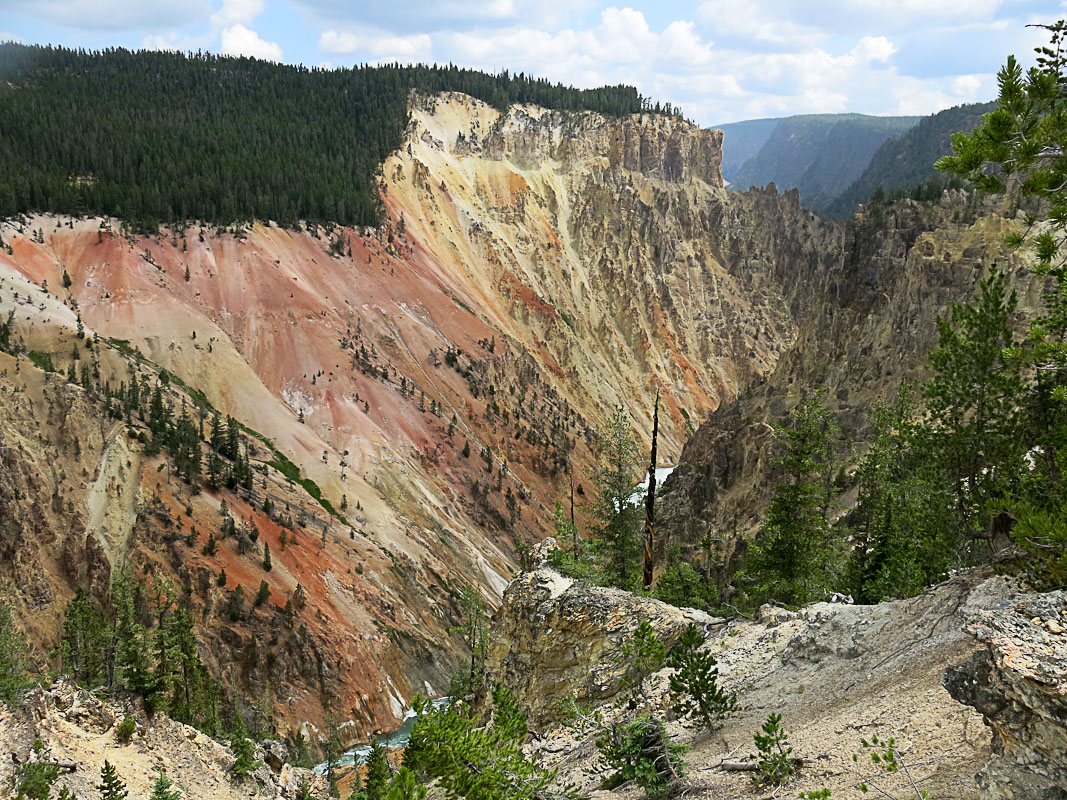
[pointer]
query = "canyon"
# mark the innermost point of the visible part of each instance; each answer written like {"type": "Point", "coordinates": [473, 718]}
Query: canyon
{"type": "Point", "coordinates": [437, 382]}
{"type": "Point", "coordinates": [534, 270]}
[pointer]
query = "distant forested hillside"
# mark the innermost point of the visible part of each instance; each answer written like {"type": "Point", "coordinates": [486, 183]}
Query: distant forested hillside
{"type": "Point", "coordinates": [906, 163]}
{"type": "Point", "coordinates": [741, 141]}
{"type": "Point", "coordinates": [166, 137]}
{"type": "Point", "coordinates": [819, 154]}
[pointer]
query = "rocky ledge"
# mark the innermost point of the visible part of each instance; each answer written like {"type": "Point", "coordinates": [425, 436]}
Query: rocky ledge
{"type": "Point", "coordinates": [1019, 684]}
{"type": "Point", "coordinates": [555, 637]}
{"type": "Point", "coordinates": [76, 730]}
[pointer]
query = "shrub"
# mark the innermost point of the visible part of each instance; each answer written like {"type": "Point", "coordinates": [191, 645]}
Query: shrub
{"type": "Point", "coordinates": [885, 755]}
{"type": "Point", "coordinates": [126, 729]}
{"type": "Point", "coordinates": [774, 764]}
{"type": "Point", "coordinates": [641, 750]}
{"type": "Point", "coordinates": [33, 781]}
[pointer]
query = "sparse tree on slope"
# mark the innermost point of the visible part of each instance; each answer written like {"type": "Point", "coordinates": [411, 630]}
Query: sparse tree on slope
{"type": "Point", "coordinates": [618, 540]}
{"type": "Point", "coordinates": [1021, 149]}
{"type": "Point", "coordinates": [793, 556]}
{"type": "Point", "coordinates": [13, 678]}
{"type": "Point", "coordinates": [111, 786]}
{"type": "Point", "coordinates": [161, 789]}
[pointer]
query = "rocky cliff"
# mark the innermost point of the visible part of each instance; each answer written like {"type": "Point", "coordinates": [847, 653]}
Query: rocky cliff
{"type": "Point", "coordinates": [417, 396]}
{"type": "Point", "coordinates": [865, 323]}
{"type": "Point", "coordinates": [554, 637]}
{"type": "Point", "coordinates": [836, 673]}
{"type": "Point", "coordinates": [534, 269]}
{"type": "Point", "coordinates": [1018, 682]}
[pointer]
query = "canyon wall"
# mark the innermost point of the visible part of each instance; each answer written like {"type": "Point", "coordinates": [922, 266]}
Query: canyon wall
{"type": "Point", "coordinates": [436, 382]}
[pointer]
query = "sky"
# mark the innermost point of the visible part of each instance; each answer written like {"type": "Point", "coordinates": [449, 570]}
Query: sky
{"type": "Point", "coordinates": [720, 60]}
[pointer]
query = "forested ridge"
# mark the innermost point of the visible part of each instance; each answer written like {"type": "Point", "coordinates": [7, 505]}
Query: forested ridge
{"type": "Point", "coordinates": [904, 165]}
{"type": "Point", "coordinates": [168, 137]}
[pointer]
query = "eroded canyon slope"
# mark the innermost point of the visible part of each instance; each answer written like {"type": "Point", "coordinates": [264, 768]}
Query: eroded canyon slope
{"type": "Point", "coordinates": [534, 269]}
{"type": "Point", "coordinates": [864, 326]}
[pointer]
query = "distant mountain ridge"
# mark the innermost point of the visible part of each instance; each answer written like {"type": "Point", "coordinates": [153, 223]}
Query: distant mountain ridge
{"type": "Point", "coordinates": [907, 161]}
{"type": "Point", "coordinates": [821, 155]}
{"type": "Point", "coordinates": [741, 141]}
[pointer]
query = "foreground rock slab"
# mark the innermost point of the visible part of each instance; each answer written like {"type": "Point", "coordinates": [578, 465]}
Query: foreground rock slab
{"type": "Point", "coordinates": [1019, 684]}
{"type": "Point", "coordinates": [837, 674]}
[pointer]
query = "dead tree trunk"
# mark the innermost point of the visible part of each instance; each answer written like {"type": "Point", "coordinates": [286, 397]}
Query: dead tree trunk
{"type": "Point", "coordinates": [650, 500]}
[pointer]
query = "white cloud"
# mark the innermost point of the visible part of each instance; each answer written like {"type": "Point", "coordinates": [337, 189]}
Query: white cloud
{"type": "Point", "coordinates": [760, 21]}
{"type": "Point", "coordinates": [375, 43]}
{"type": "Point", "coordinates": [235, 12]}
{"type": "Point", "coordinates": [873, 48]}
{"type": "Point", "coordinates": [970, 85]}
{"type": "Point", "coordinates": [237, 40]}
{"type": "Point", "coordinates": [9, 37]}
{"type": "Point", "coordinates": [430, 16]}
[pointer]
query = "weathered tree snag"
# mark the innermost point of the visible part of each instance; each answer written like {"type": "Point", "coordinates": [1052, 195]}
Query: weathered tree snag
{"type": "Point", "coordinates": [650, 499]}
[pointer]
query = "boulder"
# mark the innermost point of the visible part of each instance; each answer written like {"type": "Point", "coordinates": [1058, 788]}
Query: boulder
{"type": "Point", "coordinates": [555, 637]}
{"type": "Point", "coordinates": [1018, 682]}
{"type": "Point", "coordinates": [275, 754]}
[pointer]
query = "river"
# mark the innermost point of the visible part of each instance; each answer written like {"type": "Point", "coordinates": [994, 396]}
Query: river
{"type": "Point", "coordinates": [392, 740]}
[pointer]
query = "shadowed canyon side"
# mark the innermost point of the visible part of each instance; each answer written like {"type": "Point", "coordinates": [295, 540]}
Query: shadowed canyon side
{"type": "Point", "coordinates": [412, 396]}
{"type": "Point", "coordinates": [863, 327]}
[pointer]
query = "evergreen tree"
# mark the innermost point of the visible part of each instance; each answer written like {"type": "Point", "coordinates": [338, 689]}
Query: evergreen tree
{"type": "Point", "coordinates": [973, 398]}
{"type": "Point", "coordinates": [33, 780]}
{"type": "Point", "coordinates": [235, 606]}
{"type": "Point", "coordinates": [244, 751]}
{"type": "Point", "coordinates": [356, 792]}
{"type": "Point", "coordinates": [379, 773]}
{"type": "Point", "coordinates": [133, 671]}
{"type": "Point", "coordinates": [475, 635]}
{"type": "Point", "coordinates": [266, 557]}
{"type": "Point", "coordinates": [331, 753]}
{"type": "Point", "coordinates": [161, 789]}
{"type": "Point", "coordinates": [618, 541]}
{"type": "Point", "coordinates": [695, 691]}
{"type": "Point", "coordinates": [154, 157]}
{"type": "Point", "coordinates": [903, 529]}
{"type": "Point", "coordinates": [477, 763]}
{"type": "Point", "coordinates": [792, 559]}
{"type": "Point", "coordinates": [644, 654]}
{"type": "Point", "coordinates": [1021, 149]}
{"type": "Point", "coordinates": [85, 642]}
{"type": "Point", "coordinates": [111, 786]}
{"type": "Point", "coordinates": [405, 787]}
{"type": "Point", "coordinates": [13, 679]}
